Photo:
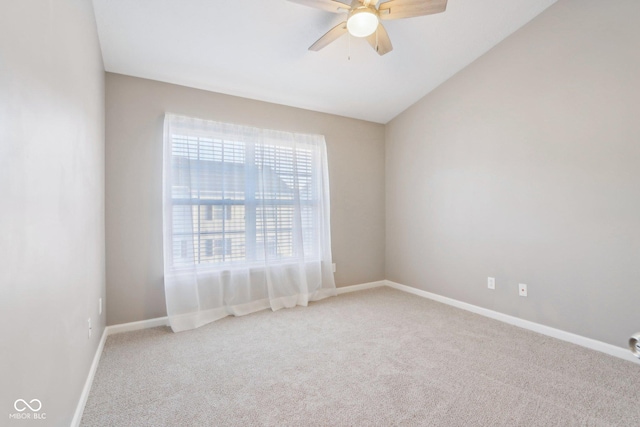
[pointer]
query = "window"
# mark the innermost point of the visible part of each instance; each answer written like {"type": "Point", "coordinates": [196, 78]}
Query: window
{"type": "Point", "coordinates": [246, 220]}
{"type": "Point", "coordinates": [218, 212]}
{"type": "Point", "coordinates": [223, 212]}
{"type": "Point", "coordinates": [244, 199]}
{"type": "Point", "coordinates": [208, 247]}
{"type": "Point", "coordinates": [223, 247]}
{"type": "Point", "coordinates": [184, 252]}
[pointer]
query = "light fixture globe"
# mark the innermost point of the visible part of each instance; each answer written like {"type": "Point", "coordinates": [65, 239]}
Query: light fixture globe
{"type": "Point", "coordinates": [362, 21]}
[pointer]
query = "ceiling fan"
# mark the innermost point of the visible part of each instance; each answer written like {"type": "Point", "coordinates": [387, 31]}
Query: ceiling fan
{"type": "Point", "coordinates": [364, 18]}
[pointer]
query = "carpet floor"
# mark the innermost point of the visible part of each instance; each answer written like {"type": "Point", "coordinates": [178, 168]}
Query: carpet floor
{"type": "Point", "coordinates": [379, 357]}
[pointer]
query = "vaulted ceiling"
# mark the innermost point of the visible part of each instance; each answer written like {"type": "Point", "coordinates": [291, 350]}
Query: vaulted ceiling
{"type": "Point", "coordinates": [258, 49]}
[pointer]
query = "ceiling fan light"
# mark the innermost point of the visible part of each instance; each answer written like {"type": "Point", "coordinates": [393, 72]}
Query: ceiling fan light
{"type": "Point", "coordinates": [362, 22]}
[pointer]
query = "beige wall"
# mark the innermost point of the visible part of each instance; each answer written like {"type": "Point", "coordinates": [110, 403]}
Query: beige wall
{"type": "Point", "coordinates": [51, 204]}
{"type": "Point", "coordinates": [134, 115]}
{"type": "Point", "coordinates": [526, 166]}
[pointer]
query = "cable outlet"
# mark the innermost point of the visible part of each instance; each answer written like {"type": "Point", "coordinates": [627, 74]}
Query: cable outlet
{"type": "Point", "coordinates": [491, 282]}
{"type": "Point", "coordinates": [522, 290]}
{"type": "Point", "coordinates": [89, 321]}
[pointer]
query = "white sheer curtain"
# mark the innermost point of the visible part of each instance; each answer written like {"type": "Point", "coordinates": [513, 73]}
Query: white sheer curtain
{"type": "Point", "coordinates": [246, 220]}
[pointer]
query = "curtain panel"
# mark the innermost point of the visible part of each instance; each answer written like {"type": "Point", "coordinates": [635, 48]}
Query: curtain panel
{"type": "Point", "coordinates": [246, 220]}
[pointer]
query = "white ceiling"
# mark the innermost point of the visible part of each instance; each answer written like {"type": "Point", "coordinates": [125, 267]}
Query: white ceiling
{"type": "Point", "coordinates": [258, 49]}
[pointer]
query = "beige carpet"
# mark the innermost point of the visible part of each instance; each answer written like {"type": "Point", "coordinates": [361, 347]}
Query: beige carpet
{"type": "Point", "coordinates": [372, 358]}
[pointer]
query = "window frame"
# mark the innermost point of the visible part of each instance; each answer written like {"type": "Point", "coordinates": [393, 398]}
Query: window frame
{"type": "Point", "coordinates": [250, 259]}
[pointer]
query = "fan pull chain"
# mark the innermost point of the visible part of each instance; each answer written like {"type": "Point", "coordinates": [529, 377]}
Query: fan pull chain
{"type": "Point", "coordinates": [349, 54]}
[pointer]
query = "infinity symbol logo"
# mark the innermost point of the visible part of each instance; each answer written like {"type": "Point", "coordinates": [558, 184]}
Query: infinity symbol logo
{"type": "Point", "coordinates": [26, 405]}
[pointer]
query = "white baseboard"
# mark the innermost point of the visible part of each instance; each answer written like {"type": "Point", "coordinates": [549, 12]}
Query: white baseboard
{"type": "Point", "coordinates": [360, 287]}
{"type": "Point", "coordinates": [109, 330]}
{"type": "Point", "coordinates": [136, 326]}
{"type": "Point", "coordinates": [612, 350]}
{"type": "Point", "coordinates": [77, 416]}
{"type": "Point", "coordinates": [153, 323]}
{"type": "Point", "coordinates": [592, 344]}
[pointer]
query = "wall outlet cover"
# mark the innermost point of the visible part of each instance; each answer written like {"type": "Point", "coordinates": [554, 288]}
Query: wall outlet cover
{"type": "Point", "coordinates": [522, 290]}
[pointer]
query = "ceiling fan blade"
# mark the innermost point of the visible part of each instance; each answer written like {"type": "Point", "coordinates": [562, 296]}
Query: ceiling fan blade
{"type": "Point", "coordinates": [330, 36]}
{"type": "Point", "coordinates": [328, 5]}
{"type": "Point", "coordinates": [380, 41]}
{"type": "Point", "coordinates": [400, 9]}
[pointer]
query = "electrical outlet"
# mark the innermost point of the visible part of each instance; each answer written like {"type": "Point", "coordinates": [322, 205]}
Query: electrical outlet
{"type": "Point", "coordinates": [333, 267]}
{"type": "Point", "coordinates": [100, 306]}
{"type": "Point", "coordinates": [491, 282]}
{"type": "Point", "coordinates": [89, 321]}
{"type": "Point", "coordinates": [522, 290]}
